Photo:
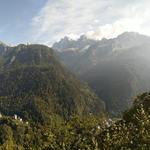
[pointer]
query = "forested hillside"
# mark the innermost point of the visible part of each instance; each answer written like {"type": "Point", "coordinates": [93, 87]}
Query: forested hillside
{"type": "Point", "coordinates": [34, 85]}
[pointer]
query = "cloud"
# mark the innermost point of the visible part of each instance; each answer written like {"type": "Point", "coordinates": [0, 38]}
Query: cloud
{"type": "Point", "coordinates": [114, 29]}
{"type": "Point", "coordinates": [95, 18]}
{"type": "Point", "coordinates": [134, 18]}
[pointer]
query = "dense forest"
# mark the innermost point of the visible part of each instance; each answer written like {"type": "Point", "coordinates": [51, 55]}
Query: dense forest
{"type": "Point", "coordinates": [131, 132]}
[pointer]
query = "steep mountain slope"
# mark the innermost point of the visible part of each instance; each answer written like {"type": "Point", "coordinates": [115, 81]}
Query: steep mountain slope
{"type": "Point", "coordinates": [35, 86]}
{"type": "Point", "coordinates": [116, 69]}
{"type": "Point", "coordinates": [113, 82]}
{"type": "Point", "coordinates": [121, 76]}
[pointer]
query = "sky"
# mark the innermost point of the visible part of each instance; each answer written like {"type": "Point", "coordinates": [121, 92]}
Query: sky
{"type": "Point", "coordinates": [47, 21]}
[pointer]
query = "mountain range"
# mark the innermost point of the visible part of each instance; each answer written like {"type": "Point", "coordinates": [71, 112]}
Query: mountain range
{"type": "Point", "coordinates": [116, 69]}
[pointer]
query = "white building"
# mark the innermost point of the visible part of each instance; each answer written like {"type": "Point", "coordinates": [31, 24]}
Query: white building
{"type": "Point", "coordinates": [16, 117]}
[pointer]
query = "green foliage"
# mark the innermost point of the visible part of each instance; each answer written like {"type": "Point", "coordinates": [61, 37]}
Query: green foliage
{"type": "Point", "coordinates": [132, 132]}
{"type": "Point", "coordinates": [76, 133]}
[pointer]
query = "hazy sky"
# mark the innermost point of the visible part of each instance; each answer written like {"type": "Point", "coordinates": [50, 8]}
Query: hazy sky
{"type": "Point", "coordinates": [46, 21]}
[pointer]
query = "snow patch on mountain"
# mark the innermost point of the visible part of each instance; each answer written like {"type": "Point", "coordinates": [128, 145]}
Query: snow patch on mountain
{"type": "Point", "coordinates": [12, 59]}
{"type": "Point", "coordinates": [85, 48]}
